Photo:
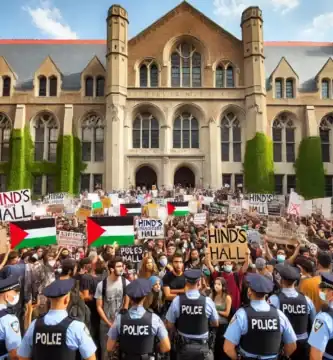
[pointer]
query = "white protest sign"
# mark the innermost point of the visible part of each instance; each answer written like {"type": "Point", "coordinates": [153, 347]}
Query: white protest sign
{"type": "Point", "coordinates": [70, 239]}
{"type": "Point", "coordinates": [56, 198]}
{"type": "Point", "coordinates": [295, 203]}
{"type": "Point", "coordinates": [258, 203]}
{"type": "Point", "coordinates": [200, 219]}
{"type": "Point", "coordinates": [150, 228]}
{"type": "Point", "coordinates": [15, 205]}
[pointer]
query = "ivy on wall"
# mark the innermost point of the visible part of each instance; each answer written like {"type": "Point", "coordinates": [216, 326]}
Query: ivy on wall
{"type": "Point", "coordinates": [259, 165]}
{"type": "Point", "coordinates": [310, 174]}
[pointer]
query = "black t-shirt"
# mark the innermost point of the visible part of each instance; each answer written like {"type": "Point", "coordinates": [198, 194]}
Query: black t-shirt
{"type": "Point", "coordinates": [174, 282]}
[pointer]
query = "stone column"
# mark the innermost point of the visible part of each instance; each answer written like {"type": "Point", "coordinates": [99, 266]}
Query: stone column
{"type": "Point", "coordinates": [215, 154]}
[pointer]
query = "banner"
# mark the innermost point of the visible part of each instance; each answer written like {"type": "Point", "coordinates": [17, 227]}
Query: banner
{"type": "Point", "coordinates": [15, 205]}
{"type": "Point", "coordinates": [200, 219]}
{"type": "Point", "coordinates": [132, 254]}
{"type": "Point", "coordinates": [227, 244]}
{"type": "Point", "coordinates": [258, 203]}
{"type": "Point", "coordinates": [150, 228]}
{"type": "Point", "coordinates": [70, 239]}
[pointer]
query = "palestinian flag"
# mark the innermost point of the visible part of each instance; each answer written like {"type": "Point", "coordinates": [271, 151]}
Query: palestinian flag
{"type": "Point", "coordinates": [130, 209]}
{"type": "Point", "coordinates": [178, 208]}
{"type": "Point", "coordinates": [107, 230]}
{"type": "Point", "coordinates": [27, 234]}
{"type": "Point", "coordinates": [96, 202]}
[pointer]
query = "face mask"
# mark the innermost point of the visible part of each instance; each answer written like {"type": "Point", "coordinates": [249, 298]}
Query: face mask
{"type": "Point", "coordinates": [322, 295]}
{"type": "Point", "coordinates": [163, 262]}
{"type": "Point", "coordinates": [15, 300]}
{"type": "Point", "coordinates": [281, 258]}
{"type": "Point", "coordinates": [227, 268]}
{"type": "Point", "coordinates": [206, 272]}
{"type": "Point", "coordinates": [185, 245]}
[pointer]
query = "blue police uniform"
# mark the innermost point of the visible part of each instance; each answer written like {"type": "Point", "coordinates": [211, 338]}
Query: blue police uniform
{"type": "Point", "coordinates": [10, 335]}
{"type": "Point", "coordinates": [56, 336]}
{"type": "Point", "coordinates": [321, 336]}
{"type": "Point", "coordinates": [261, 321]}
{"type": "Point", "coordinates": [191, 313]}
{"type": "Point", "coordinates": [137, 328]}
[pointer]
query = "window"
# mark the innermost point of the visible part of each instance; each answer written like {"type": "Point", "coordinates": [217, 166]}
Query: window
{"type": "Point", "coordinates": [231, 138]}
{"type": "Point", "coordinates": [89, 86]}
{"type": "Point", "coordinates": [46, 136]}
{"type": "Point", "coordinates": [325, 89]}
{"type": "Point", "coordinates": [37, 185]}
{"type": "Point", "coordinates": [278, 88]}
{"type": "Point", "coordinates": [186, 132]}
{"type": "Point", "coordinates": [145, 132]}
{"type": "Point", "coordinates": [153, 76]}
{"type": "Point", "coordinates": [225, 76]}
{"type": "Point", "coordinates": [185, 66]}
{"type": "Point", "coordinates": [289, 88]}
{"type": "Point", "coordinates": [328, 186]}
{"type": "Point", "coordinates": [325, 137]}
{"type": "Point", "coordinates": [238, 181]}
{"type": "Point", "coordinates": [226, 179]}
{"type": "Point", "coordinates": [230, 77]}
{"type": "Point", "coordinates": [98, 181]}
{"type": "Point", "coordinates": [219, 77]}
{"type": "Point", "coordinates": [53, 86]}
{"type": "Point", "coordinates": [3, 182]}
{"type": "Point", "coordinates": [50, 181]}
{"type": "Point", "coordinates": [149, 74]}
{"type": "Point", "coordinates": [92, 137]}
{"type": "Point", "coordinates": [291, 183]}
{"type": "Point", "coordinates": [143, 76]}
{"type": "Point", "coordinates": [283, 135]}
{"type": "Point", "coordinates": [100, 84]}
{"type": "Point", "coordinates": [42, 85]}
{"type": "Point", "coordinates": [6, 86]}
{"type": "Point", "coordinates": [85, 182]}
{"type": "Point", "coordinates": [5, 131]}
{"type": "Point", "coordinates": [278, 184]}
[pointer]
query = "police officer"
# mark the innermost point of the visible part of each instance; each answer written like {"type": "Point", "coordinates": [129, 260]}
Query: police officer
{"type": "Point", "coordinates": [137, 328]}
{"type": "Point", "coordinates": [56, 336]}
{"type": "Point", "coordinates": [298, 308]}
{"type": "Point", "coordinates": [10, 335]}
{"type": "Point", "coordinates": [321, 336]}
{"type": "Point", "coordinates": [191, 313]}
{"type": "Point", "coordinates": [259, 328]}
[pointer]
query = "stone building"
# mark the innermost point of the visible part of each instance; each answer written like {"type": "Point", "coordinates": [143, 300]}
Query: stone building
{"type": "Point", "coordinates": [174, 104]}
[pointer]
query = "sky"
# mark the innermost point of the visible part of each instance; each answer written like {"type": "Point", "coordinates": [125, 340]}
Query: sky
{"type": "Point", "coordinates": [293, 20]}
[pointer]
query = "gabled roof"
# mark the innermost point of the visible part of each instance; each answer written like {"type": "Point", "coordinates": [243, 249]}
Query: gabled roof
{"type": "Point", "coordinates": [283, 60]}
{"type": "Point", "coordinates": [95, 58]}
{"type": "Point", "coordinates": [324, 66]}
{"type": "Point", "coordinates": [49, 58]}
{"type": "Point", "coordinates": [8, 65]}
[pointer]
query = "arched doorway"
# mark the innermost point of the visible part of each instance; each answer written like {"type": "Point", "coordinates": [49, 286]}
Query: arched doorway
{"type": "Point", "coordinates": [145, 176]}
{"type": "Point", "coordinates": [184, 177]}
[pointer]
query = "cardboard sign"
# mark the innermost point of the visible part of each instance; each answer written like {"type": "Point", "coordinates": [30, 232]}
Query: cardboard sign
{"type": "Point", "coordinates": [227, 244]}
{"type": "Point", "coordinates": [131, 254]}
{"type": "Point", "coordinates": [200, 219]}
{"type": "Point", "coordinates": [218, 209]}
{"type": "Point", "coordinates": [150, 228]}
{"type": "Point", "coordinates": [70, 239]}
{"type": "Point", "coordinates": [15, 205]}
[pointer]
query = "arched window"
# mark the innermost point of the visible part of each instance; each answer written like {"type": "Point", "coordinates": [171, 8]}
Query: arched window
{"type": "Point", "coordinates": [278, 88]}
{"type": "Point", "coordinates": [185, 66]}
{"type": "Point", "coordinates": [148, 73]}
{"type": "Point", "coordinates": [289, 88]}
{"type": "Point", "coordinates": [186, 132]}
{"type": "Point", "coordinates": [143, 76]}
{"type": "Point", "coordinates": [100, 84]}
{"type": "Point", "coordinates": [6, 85]}
{"type": "Point", "coordinates": [92, 138]}
{"type": "Point", "coordinates": [325, 89]}
{"type": "Point", "coordinates": [145, 132]}
{"type": "Point", "coordinates": [153, 76]}
{"type": "Point", "coordinates": [42, 85]}
{"type": "Point", "coordinates": [53, 86]}
{"type": "Point", "coordinates": [46, 136]}
{"type": "Point", "coordinates": [325, 130]}
{"type": "Point", "coordinates": [225, 75]}
{"type": "Point", "coordinates": [283, 138]}
{"type": "Point", "coordinates": [231, 138]}
{"type": "Point", "coordinates": [230, 77]}
{"type": "Point", "coordinates": [5, 131]}
{"type": "Point", "coordinates": [220, 76]}
{"type": "Point", "coordinates": [89, 86]}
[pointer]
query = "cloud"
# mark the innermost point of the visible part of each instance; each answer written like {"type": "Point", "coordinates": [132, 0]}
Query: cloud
{"type": "Point", "coordinates": [285, 5]}
{"type": "Point", "coordinates": [48, 19]}
{"type": "Point", "coordinates": [320, 29]}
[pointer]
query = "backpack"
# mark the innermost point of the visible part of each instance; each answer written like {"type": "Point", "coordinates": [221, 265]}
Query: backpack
{"type": "Point", "coordinates": [77, 308]}
{"type": "Point", "coordinates": [123, 281]}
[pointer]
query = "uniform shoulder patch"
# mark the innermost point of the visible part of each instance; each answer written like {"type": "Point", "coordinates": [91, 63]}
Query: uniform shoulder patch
{"type": "Point", "coordinates": [317, 325]}
{"type": "Point", "coordinates": [15, 325]}
{"type": "Point", "coordinates": [234, 318]}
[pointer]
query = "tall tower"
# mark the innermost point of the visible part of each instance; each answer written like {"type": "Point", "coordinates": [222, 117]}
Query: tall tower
{"type": "Point", "coordinates": [254, 71]}
{"type": "Point", "coordinates": [116, 95]}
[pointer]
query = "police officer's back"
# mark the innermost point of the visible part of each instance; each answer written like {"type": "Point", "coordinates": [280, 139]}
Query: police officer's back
{"type": "Point", "coordinates": [298, 308]}
{"type": "Point", "coordinates": [190, 314]}
{"type": "Point", "coordinates": [137, 328]}
{"type": "Point", "coordinates": [258, 329]}
{"type": "Point", "coordinates": [56, 336]}
{"type": "Point", "coordinates": [321, 336]}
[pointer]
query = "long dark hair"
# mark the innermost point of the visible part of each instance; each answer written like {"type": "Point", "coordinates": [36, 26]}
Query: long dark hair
{"type": "Point", "coordinates": [224, 288]}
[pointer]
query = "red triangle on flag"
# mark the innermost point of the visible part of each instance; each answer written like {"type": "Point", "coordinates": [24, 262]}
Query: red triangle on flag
{"type": "Point", "coordinates": [16, 234]}
{"type": "Point", "coordinates": [123, 210]}
{"type": "Point", "coordinates": [170, 208]}
{"type": "Point", "coordinates": [94, 231]}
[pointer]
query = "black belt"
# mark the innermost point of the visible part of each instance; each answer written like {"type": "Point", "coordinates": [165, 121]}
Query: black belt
{"type": "Point", "coordinates": [195, 341]}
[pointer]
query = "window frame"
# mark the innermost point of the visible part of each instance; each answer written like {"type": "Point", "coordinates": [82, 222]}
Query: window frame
{"type": "Point", "coordinates": [230, 121]}
{"type": "Point", "coordinates": [5, 124]}
{"type": "Point", "coordinates": [149, 64]}
{"type": "Point", "coordinates": [141, 117]}
{"type": "Point", "coordinates": [40, 88]}
{"type": "Point", "coordinates": [192, 119]}
{"type": "Point", "coordinates": [282, 122]}
{"type": "Point", "coordinates": [329, 87]}
{"type": "Point", "coordinates": [6, 93]}
{"type": "Point", "coordinates": [326, 124]}
{"type": "Point", "coordinates": [281, 91]}
{"type": "Point", "coordinates": [92, 121]}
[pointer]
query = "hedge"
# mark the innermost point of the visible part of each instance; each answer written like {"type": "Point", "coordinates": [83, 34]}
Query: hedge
{"type": "Point", "coordinates": [310, 174]}
{"type": "Point", "coordinates": [259, 165]}
{"type": "Point", "coordinates": [17, 163]}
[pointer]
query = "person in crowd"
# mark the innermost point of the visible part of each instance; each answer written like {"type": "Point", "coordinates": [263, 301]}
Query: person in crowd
{"type": "Point", "coordinates": [163, 265]}
{"type": "Point", "coordinates": [298, 308]}
{"type": "Point", "coordinates": [56, 336]}
{"type": "Point", "coordinates": [191, 314]}
{"type": "Point", "coordinates": [154, 300]}
{"type": "Point", "coordinates": [261, 268]}
{"type": "Point", "coordinates": [148, 267]}
{"type": "Point", "coordinates": [252, 323]}
{"type": "Point", "coordinates": [194, 260]}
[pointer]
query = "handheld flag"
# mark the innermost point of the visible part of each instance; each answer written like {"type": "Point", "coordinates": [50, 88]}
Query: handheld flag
{"type": "Point", "coordinates": [27, 234]}
{"type": "Point", "coordinates": [130, 209]}
{"type": "Point", "coordinates": [110, 229]}
{"type": "Point", "coordinates": [178, 208]}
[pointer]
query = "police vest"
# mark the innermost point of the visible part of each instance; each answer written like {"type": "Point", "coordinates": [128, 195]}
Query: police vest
{"type": "Point", "coordinates": [49, 341]}
{"type": "Point", "coordinates": [192, 316]}
{"type": "Point", "coordinates": [136, 335]}
{"type": "Point", "coordinates": [329, 346]}
{"type": "Point", "coordinates": [263, 337]}
{"type": "Point", "coordinates": [296, 310]}
{"type": "Point", "coordinates": [3, 348]}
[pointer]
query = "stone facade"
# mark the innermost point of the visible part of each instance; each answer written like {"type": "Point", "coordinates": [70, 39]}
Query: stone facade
{"type": "Point", "coordinates": [224, 97]}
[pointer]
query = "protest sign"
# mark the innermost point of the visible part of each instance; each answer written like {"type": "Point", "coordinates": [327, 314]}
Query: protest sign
{"type": "Point", "coordinates": [15, 205]}
{"type": "Point", "coordinates": [200, 219]}
{"type": "Point", "coordinates": [259, 203]}
{"type": "Point", "coordinates": [281, 232]}
{"type": "Point", "coordinates": [218, 208]}
{"type": "Point", "coordinates": [227, 244]}
{"type": "Point", "coordinates": [150, 228]}
{"type": "Point", "coordinates": [131, 254]}
{"type": "Point", "coordinates": [70, 239]}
